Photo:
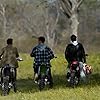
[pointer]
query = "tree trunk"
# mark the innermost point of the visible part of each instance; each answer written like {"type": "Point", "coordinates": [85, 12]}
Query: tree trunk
{"type": "Point", "coordinates": [74, 24]}
{"type": "Point", "coordinates": [70, 9]}
{"type": "Point", "coordinates": [74, 17]}
{"type": "Point", "coordinates": [50, 34]}
{"type": "Point", "coordinates": [3, 13]}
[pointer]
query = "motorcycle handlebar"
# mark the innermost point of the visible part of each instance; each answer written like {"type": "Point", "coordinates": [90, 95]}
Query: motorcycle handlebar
{"type": "Point", "coordinates": [86, 55]}
{"type": "Point", "coordinates": [19, 59]}
{"type": "Point", "coordinates": [55, 56]}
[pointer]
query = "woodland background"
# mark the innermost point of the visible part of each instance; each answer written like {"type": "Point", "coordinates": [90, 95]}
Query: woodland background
{"type": "Point", "coordinates": [24, 20]}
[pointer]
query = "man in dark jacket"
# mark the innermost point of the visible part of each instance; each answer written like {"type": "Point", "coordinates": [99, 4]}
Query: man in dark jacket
{"type": "Point", "coordinates": [41, 54]}
{"type": "Point", "coordinates": [75, 51]}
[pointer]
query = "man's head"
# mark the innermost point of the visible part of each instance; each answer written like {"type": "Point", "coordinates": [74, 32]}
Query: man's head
{"type": "Point", "coordinates": [73, 38]}
{"type": "Point", "coordinates": [10, 41]}
{"type": "Point", "coordinates": [41, 39]}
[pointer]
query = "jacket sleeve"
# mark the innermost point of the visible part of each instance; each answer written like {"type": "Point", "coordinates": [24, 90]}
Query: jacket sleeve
{"type": "Point", "coordinates": [50, 53]}
{"type": "Point", "coordinates": [66, 53]}
{"type": "Point", "coordinates": [33, 52]}
{"type": "Point", "coordinates": [17, 54]}
{"type": "Point", "coordinates": [1, 53]}
{"type": "Point", "coordinates": [83, 54]}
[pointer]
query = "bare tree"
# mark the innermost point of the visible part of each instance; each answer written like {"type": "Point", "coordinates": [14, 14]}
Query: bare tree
{"type": "Point", "coordinates": [51, 26]}
{"type": "Point", "coordinates": [49, 22]}
{"type": "Point", "coordinates": [3, 14]}
{"type": "Point", "coordinates": [70, 9]}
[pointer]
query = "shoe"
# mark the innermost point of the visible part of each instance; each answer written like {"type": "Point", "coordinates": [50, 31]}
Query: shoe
{"type": "Point", "coordinates": [36, 78]}
{"type": "Point", "coordinates": [36, 82]}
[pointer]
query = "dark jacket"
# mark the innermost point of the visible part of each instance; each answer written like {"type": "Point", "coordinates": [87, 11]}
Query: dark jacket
{"type": "Point", "coordinates": [75, 52]}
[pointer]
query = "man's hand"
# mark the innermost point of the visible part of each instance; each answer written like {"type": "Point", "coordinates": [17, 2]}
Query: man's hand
{"type": "Point", "coordinates": [19, 59]}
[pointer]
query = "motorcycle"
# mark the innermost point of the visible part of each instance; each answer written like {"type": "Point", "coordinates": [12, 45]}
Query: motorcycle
{"type": "Point", "coordinates": [73, 76]}
{"type": "Point", "coordinates": [44, 77]}
{"type": "Point", "coordinates": [8, 78]}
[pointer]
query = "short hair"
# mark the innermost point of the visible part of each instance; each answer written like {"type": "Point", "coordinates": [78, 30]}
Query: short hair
{"type": "Point", "coordinates": [42, 39]}
{"type": "Point", "coordinates": [73, 38]}
{"type": "Point", "coordinates": [9, 41]}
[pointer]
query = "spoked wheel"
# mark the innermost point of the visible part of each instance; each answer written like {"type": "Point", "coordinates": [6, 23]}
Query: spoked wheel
{"type": "Point", "coordinates": [41, 84]}
{"type": "Point", "coordinates": [72, 83]}
{"type": "Point", "coordinates": [72, 80]}
{"type": "Point", "coordinates": [5, 86]}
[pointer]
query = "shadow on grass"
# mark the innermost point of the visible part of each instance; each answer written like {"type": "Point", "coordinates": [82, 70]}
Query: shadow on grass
{"type": "Point", "coordinates": [28, 85]}
{"type": "Point", "coordinates": [59, 81]}
{"type": "Point", "coordinates": [93, 81]}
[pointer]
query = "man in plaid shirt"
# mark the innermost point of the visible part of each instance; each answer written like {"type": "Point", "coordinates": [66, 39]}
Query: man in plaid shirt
{"type": "Point", "coordinates": [41, 54]}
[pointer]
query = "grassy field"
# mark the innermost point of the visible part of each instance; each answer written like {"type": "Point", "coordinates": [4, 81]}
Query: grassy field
{"type": "Point", "coordinates": [27, 90]}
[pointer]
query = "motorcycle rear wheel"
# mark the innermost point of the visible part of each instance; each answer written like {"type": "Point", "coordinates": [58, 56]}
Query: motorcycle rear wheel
{"type": "Point", "coordinates": [5, 86]}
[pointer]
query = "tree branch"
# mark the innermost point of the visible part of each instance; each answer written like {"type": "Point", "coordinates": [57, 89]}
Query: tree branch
{"type": "Point", "coordinates": [2, 12]}
{"type": "Point", "coordinates": [70, 3]}
{"type": "Point", "coordinates": [67, 3]}
{"type": "Point", "coordinates": [57, 18]}
{"type": "Point", "coordinates": [79, 3]}
{"type": "Point", "coordinates": [66, 10]}
{"type": "Point", "coordinates": [43, 2]}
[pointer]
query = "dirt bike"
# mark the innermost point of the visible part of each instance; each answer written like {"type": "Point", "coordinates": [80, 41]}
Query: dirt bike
{"type": "Point", "coordinates": [44, 77]}
{"type": "Point", "coordinates": [8, 77]}
{"type": "Point", "coordinates": [73, 76]}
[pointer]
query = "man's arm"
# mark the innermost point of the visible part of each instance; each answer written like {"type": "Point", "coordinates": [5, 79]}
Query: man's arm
{"type": "Point", "coordinates": [66, 53]}
{"type": "Point", "coordinates": [83, 54]}
{"type": "Point", "coordinates": [33, 52]}
{"type": "Point", "coordinates": [1, 53]}
{"type": "Point", "coordinates": [51, 54]}
{"type": "Point", "coordinates": [17, 54]}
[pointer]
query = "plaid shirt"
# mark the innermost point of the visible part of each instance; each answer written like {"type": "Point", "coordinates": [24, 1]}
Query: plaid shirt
{"type": "Point", "coordinates": [42, 54]}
